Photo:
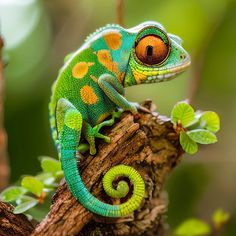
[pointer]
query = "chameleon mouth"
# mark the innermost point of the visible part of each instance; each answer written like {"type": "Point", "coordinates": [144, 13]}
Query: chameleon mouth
{"type": "Point", "coordinates": [169, 73]}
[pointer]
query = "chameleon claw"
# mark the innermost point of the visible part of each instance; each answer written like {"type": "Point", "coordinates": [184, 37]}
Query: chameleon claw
{"type": "Point", "coordinates": [143, 109]}
{"type": "Point", "coordinates": [92, 151]}
{"type": "Point", "coordinates": [138, 107]}
{"type": "Point", "coordinates": [107, 139]}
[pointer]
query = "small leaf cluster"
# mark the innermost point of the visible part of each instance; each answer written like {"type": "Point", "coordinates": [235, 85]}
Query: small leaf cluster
{"type": "Point", "coordinates": [194, 127]}
{"type": "Point", "coordinates": [197, 227]}
{"type": "Point", "coordinates": [34, 189]}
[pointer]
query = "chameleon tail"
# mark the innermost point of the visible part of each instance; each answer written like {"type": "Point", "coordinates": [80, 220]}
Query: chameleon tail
{"type": "Point", "coordinates": [69, 139]}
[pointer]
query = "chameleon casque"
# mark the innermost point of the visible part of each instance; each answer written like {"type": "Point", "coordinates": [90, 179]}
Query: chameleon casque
{"type": "Point", "coordinates": [90, 89]}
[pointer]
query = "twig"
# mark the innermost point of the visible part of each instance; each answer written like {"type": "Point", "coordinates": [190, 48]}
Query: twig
{"type": "Point", "coordinates": [119, 12]}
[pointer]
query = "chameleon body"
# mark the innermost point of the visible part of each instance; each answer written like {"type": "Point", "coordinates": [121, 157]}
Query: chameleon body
{"type": "Point", "coordinates": [90, 88]}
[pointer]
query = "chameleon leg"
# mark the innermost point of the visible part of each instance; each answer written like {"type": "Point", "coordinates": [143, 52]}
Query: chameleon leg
{"type": "Point", "coordinates": [90, 137]}
{"type": "Point", "coordinates": [63, 106]}
{"type": "Point", "coordinates": [114, 90]}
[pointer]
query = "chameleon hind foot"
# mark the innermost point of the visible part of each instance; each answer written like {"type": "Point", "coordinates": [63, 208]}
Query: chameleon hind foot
{"type": "Point", "coordinates": [110, 122]}
{"type": "Point", "coordinates": [115, 114]}
{"type": "Point", "coordinates": [106, 138]}
{"type": "Point", "coordinates": [91, 141]}
{"type": "Point", "coordinates": [92, 133]}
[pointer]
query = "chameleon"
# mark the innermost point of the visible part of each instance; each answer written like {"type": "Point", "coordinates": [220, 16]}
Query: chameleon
{"type": "Point", "coordinates": [89, 93]}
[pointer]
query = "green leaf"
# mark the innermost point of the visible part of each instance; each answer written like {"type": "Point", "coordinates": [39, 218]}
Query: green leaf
{"type": "Point", "coordinates": [33, 185]}
{"type": "Point", "coordinates": [184, 113]}
{"type": "Point", "coordinates": [31, 202]}
{"type": "Point", "coordinates": [47, 178]}
{"type": "Point", "coordinates": [219, 218]}
{"type": "Point", "coordinates": [210, 121]}
{"type": "Point", "coordinates": [59, 174]}
{"type": "Point", "coordinates": [202, 136]}
{"type": "Point", "coordinates": [51, 165]}
{"type": "Point", "coordinates": [12, 193]}
{"type": "Point", "coordinates": [188, 145]}
{"type": "Point", "coordinates": [192, 227]}
{"type": "Point", "coordinates": [29, 217]}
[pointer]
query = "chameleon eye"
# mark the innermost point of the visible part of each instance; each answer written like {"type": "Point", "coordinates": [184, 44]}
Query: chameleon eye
{"type": "Point", "coordinates": [151, 50]}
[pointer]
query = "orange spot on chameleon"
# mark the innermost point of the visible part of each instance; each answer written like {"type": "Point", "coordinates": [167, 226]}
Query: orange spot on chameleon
{"type": "Point", "coordinates": [113, 40]}
{"type": "Point", "coordinates": [105, 58]}
{"type": "Point", "coordinates": [81, 69]}
{"type": "Point", "coordinates": [88, 95]}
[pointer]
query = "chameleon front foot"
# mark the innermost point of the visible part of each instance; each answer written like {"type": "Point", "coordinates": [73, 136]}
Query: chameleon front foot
{"type": "Point", "coordinates": [139, 107]}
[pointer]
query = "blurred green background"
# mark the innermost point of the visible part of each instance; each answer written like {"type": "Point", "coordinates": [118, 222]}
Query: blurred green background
{"type": "Point", "coordinates": [38, 34]}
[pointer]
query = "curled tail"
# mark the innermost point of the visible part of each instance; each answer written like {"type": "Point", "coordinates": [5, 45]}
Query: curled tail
{"type": "Point", "coordinates": [69, 139]}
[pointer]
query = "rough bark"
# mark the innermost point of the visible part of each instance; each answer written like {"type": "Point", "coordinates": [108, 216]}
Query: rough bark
{"type": "Point", "coordinates": [4, 169]}
{"type": "Point", "coordinates": [11, 224]}
{"type": "Point", "coordinates": [149, 144]}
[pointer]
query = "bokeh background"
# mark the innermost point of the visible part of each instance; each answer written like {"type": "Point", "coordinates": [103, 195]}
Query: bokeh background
{"type": "Point", "coordinates": [38, 34]}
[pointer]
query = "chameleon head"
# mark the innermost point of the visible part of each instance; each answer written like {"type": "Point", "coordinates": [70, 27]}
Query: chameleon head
{"type": "Point", "coordinates": [156, 56]}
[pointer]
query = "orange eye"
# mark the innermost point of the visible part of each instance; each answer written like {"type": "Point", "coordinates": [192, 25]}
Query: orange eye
{"type": "Point", "coordinates": [151, 50]}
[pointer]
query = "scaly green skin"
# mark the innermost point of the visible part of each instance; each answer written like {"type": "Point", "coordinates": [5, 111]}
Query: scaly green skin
{"type": "Point", "coordinates": [89, 88]}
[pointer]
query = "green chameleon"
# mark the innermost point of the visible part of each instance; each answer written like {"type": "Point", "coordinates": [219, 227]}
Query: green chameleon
{"type": "Point", "coordinates": [90, 88]}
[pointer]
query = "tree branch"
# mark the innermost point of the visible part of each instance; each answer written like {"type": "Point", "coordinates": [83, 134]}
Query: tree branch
{"type": "Point", "coordinates": [11, 224]}
{"type": "Point", "coordinates": [149, 144]}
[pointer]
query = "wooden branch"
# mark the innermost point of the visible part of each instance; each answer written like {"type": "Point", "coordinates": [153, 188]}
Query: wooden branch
{"type": "Point", "coordinates": [4, 169]}
{"type": "Point", "coordinates": [149, 144]}
{"type": "Point", "coordinates": [11, 224]}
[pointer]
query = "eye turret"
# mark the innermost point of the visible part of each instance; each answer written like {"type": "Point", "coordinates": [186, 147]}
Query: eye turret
{"type": "Point", "coordinates": [151, 50]}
